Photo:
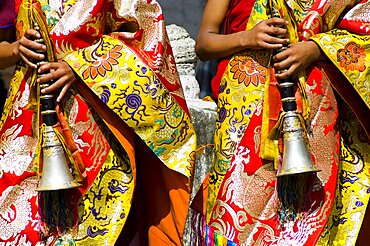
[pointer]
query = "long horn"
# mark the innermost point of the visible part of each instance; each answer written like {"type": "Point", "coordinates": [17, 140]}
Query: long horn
{"type": "Point", "coordinates": [296, 157]}
{"type": "Point", "coordinates": [56, 173]}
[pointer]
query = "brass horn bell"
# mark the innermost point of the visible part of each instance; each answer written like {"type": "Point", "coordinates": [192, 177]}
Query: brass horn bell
{"type": "Point", "coordinates": [296, 158]}
{"type": "Point", "coordinates": [56, 174]}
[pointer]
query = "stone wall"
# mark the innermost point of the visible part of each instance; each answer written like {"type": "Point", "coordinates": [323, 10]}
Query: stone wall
{"type": "Point", "coordinates": [185, 13]}
{"type": "Point", "coordinates": [203, 113]}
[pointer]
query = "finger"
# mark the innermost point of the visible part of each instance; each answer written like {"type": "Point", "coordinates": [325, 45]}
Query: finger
{"type": "Point", "coordinates": [29, 37]}
{"type": "Point", "coordinates": [282, 55]}
{"type": "Point", "coordinates": [277, 40]}
{"type": "Point", "coordinates": [282, 60]}
{"type": "Point", "coordinates": [27, 61]}
{"type": "Point", "coordinates": [270, 42]}
{"type": "Point", "coordinates": [284, 64]}
{"type": "Point", "coordinates": [282, 75]}
{"type": "Point", "coordinates": [51, 76]}
{"type": "Point", "coordinates": [276, 22]}
{"type": "Point", "coordinates": [45, 67]}
{"type": "Point", "coordinates": [270, 46]}
{"type": "Point", "coordinates": [63, 92]}
{"type": "Point", "coordinates": [46, 77]}
{"type": "Point", "coordinates": [277, 31]}
{"type": "Point", "coordinates": [274, 39]}
{"type": "Point", "coordinates": [30, 54]}
{"type": "Point", "coordinates": [31, 33]}
{"type": "Point", "coordinates": [31, 44]}
{"type": "Point", "coordinates": [53, 67]}
{"type": "Point", "coordinates": [55, 85]}
{"type": "Point", "coordinates": [286, 73]}
{"type": "Point", "coordinates": [52, 71]}
{"type": "Point", "coordinates": [52, 87]}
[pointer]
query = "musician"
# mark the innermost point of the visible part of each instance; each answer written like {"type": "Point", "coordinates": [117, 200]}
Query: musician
{"type": "Point", "coordinates": [327, 49]}
{"type": "Point", "coordinates": [121, 103]}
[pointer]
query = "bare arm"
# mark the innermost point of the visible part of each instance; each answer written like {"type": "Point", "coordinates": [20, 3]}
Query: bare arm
{"type": "Point", "coordinates": [211, 44]}
{"type": "Point", "coordinates": [7, 37]}
{"type": "Point", "coordinates": [7, 56]}
{"type": "Point", "coordinates": [11, 53]}
{"type": "Point", "coordinates": [25, 49]}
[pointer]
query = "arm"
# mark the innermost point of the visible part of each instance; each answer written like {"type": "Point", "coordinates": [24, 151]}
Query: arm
{"type": "Point", "coordinates": [7, 56]}
{"type": "Point", "coordinates": [11, 53]}
{"type": "Point", "coordinates": [211, 44]}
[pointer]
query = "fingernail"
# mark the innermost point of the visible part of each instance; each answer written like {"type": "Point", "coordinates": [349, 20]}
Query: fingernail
{"type": "Point", "coordinates": [43, 91]}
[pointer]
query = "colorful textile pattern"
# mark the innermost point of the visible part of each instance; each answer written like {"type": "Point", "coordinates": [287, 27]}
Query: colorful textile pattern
{"type": "Point", "coordinates": [348, 50]}
{"type": "Point", "coordinates": [248, 201]}
{"type": "Point", "coordinates": [121, 51]}
{"type": "Point", "coordinates": [132, 103]}
{"type": "Point", "coordinates": [244, 203]}
{"type": "Point", "coordinates": [357, 20]}
{"type": "Point", "coordinates": [352, 193]}
{"type": "Point", "coordinates": [213, 238]}
{"type": "Point", "coordinates": [233, 116]}
{"type": "Point", "coordinates": [322, 16]}
{"type": "Point", "coordinates": [349, 53]}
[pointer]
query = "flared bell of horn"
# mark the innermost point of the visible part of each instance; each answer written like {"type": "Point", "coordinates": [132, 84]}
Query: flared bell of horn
{"type": "Point", "coordinates": [296, 158]}
{"type": "Point", "coordinates": [56, 174]}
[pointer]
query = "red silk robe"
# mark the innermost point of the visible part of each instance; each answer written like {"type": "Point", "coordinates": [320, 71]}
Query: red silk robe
{"type": "Point", "coordinates": [127, 117]}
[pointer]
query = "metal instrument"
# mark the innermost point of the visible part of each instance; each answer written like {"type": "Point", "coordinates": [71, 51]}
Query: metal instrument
{"type": "Point", "coordinates": [56, 173]}
{"type": "Point", "coordinates": [296, 157]}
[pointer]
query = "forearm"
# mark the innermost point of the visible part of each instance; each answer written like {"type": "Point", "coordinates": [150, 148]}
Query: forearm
{"type": "Point", "coordinates": [7, 54]}
{"type": "Point", "coordinates": [213, 45]}
{"type": "Point", "coordinates": [264, 35]}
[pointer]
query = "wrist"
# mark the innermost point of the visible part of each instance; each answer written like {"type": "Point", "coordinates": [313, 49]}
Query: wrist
{"type": "Point", "coordinates": [316, 50]}
{"type": "Point", "coordinates": [243, 40]}
{"type": "Point", "coordinates": [15, 48]}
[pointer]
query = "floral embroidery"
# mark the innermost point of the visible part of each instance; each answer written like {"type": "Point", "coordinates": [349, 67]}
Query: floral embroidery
{"type": "Point", "coordinates": [247, 70]}
{"type": "Point", "coordinates": [104, 64]}
{"type": "Point", "coordinates": [352, 57]}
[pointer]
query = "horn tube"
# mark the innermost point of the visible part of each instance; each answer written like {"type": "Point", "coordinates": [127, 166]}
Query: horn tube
{"type": "Point", "coordinates": [296, 157]}
{"type": "Point", "coordinates": [56, 173]}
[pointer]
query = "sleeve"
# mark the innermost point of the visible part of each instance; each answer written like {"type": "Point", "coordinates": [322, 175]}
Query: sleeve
{"type": "Point", "coordinates": [357, 20]}
{"type": "Point", "coordinates": [335, 27]}
{"type": "Point", "coordinates": [140, 26]}
{"type": "Point", "coordinates": [323, 16]}
{"type": "Point", "coordinates": [132, 70]}
{"type": "Point", "coordinates": [349, 53]}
